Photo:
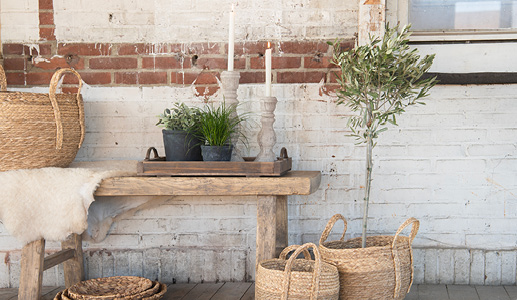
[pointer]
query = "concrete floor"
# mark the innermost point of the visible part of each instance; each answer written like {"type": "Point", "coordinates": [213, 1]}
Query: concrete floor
{"type": "Point", "coordinates": [245, 291]}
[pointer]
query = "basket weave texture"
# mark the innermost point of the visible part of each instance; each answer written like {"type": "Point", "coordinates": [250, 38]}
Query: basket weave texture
{"type": "Point", "coordinates": [382, 270]}
{"type": "Point", "coordinates": [296, 278]}
{"type": "Point", "coordinates": [114, 288]}
{"type": "Point", "coordinates": [40, 130]}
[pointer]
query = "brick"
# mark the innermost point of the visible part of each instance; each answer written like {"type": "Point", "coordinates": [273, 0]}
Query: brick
{"type": "Point", "coordinates": [125, 77]}
{"type": "Point", "coordinates": [96, 78]}
{"type": "Point", "coordinates": [303, 47]}
{"type": "Point", "coordinates": [300, 77]}
{"type": "Point", "coordinates": [183, 77]}
{"type": "Point", "coordinates": [39, 78]}
{"type": "Point", "coordinates": [113, 63]}
{"type": "Point", "coordinates": [61, 62]}
{"type": "Point", "coordinates": [69, 78]}
{"type": "Point", "coordinates": [46, 4]}
{"type": "Point", "coordinates": [15, 64]}
{"type": "Point", "coordinates": [207, 78]}
{"type": "Point", "coordinates": [152, 78]}
{"type": "Point", "coordinates": [141, 48]}
{"type": "Point", "coordinates": [164, 63]}
{"type": "Point", "coordinates": [251, 48]}
{"type": "Point", "coordinates": [317, 62]}
{"type": "Point", "coordinates": [12, 49]}
{"type": "Point", "coordinates": [47, 34]}
{"type": "Point", "coordinates": [252, 77]}
{"type": "Point", "coordinates": [87, 49]}
{"type": "Point", "coordinates": [46, 18]}
{"type": "Point", "coordinates": [17, 78]}
{"type": "Point", "coordinates": [276, 62]}
{"type": "Point", "coordinates": [45, 49]}
{"type": "Point", "coordinates": [198, 48]}
{"type": "Point", "coordinates": [211, 63]}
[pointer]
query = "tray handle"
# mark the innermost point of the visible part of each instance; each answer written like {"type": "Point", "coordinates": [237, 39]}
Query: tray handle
{"type": "Point", "coordinates": [283, 153]}
{"type": "Point", "coordinates": [155, 153]}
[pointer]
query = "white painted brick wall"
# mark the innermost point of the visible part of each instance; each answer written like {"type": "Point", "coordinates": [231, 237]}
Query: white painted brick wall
{"type": "Point", "coordinates": [20, 21]}
{"type": "Point", "coordinates": [203, 20]}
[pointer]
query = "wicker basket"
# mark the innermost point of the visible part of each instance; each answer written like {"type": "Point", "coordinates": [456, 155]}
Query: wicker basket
{"type": "Point", "coordinates": [382, 270]}
{"type": "Point", "coordinates": [296, 278]}
{"type": "Point", "coordinates": [116, 287]}
{"type": "Point", "coordinates": [40, 130]}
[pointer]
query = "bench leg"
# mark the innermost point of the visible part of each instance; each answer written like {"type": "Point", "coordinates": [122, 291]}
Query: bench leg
{"type": "Point", "coordinates": [281, 224]}
{"type": "Point", "coordinates": [266, 228]}
{"type": "Point", "coordinates": [31, 273]}
{"type": "Point", "coordinates": [73, 268]}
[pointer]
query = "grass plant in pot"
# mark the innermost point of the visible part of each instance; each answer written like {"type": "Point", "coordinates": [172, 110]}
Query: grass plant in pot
{"type": "Point", "coordinates": [219, 127]}
{"type": "Point", "coordinates": [378, 81]}
{"type": "Point", "coordinates": [180, 138]}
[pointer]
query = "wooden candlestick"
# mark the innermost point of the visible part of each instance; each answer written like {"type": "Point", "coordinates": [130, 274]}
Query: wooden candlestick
{"type": "Point", "coordinates": [267, 136]}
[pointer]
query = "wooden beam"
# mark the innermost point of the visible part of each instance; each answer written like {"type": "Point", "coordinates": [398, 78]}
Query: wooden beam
{"type": "Point", "coordinates": [281, 224]}
{"type": "Point", "coordinates": [57, 258]}
{"type": "Point", "coordinates": [293, 183]}
{"type": "Point", "coordinates": [31, 273]}
{"type": "Point", "coordinates": [73, 268]}
{"type": "Point", "coordinates": [266, 228]}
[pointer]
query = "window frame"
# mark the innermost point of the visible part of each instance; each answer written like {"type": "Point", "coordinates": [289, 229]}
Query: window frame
{"type": "Point", "coordinates": [478, 49]}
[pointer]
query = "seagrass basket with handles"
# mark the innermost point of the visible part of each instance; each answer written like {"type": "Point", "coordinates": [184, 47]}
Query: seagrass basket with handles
{"type": "Point", "coordinates": [293, 278]}
{"type": "Point", "coordinates": [382, 270]}
{"type": "Point", "coordinates": [40, 130]}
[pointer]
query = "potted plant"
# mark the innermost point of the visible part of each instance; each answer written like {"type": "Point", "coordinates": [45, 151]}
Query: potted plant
{"type": "Point", "coordinates": [219, 128]}
{"type": "Point", "coordinates": [377, 81]}
{"type": "Point", "coordinates": [180, 139]}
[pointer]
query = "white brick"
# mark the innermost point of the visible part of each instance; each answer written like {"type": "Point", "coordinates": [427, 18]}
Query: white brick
{"type": "Point", "coordinates": [445, 266]}
{"type": "Point", "coordinates": [477, 267]}
{"type": "Point", "coordinates": [508, 267]}
{"type": "Point", "coordinates": [461, 266]}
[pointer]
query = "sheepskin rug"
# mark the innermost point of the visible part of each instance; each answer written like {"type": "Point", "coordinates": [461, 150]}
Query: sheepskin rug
{"type": "Point", "coordinates": [51, 203]}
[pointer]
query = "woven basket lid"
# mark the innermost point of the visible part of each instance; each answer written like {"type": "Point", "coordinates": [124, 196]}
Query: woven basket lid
{"type": "Point", "coordinates": [109, 287]}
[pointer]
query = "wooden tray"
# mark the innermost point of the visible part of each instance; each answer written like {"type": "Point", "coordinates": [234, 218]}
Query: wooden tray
{"type": "Point", "coordinates": [158, 166]}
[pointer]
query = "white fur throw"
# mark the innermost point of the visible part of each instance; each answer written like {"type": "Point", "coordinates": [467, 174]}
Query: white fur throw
{"type": "Point", "coordinates": [51, 203]}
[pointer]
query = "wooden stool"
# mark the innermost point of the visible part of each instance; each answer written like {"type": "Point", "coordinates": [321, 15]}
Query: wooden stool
{"type": "Point", "coordinates": [34, 263]}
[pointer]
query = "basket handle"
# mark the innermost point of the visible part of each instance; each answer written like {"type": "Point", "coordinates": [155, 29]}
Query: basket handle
{"type": "Point", "coordinates": [57, 113]}
{"type": "Point", "coordinates": [394, 253]}
{"type": "Point", "coordinates": [3, 80]}
{"type": "Point", "coordinates": [330, 225]}
{"type": "Point", "coordinates": [289, 249]}
{"type": "Point", "coordinates": [315, 275]}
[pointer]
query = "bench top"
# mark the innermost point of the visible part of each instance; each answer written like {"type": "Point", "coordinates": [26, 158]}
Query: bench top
{"type": "Point", "coordinates": [293, 183]}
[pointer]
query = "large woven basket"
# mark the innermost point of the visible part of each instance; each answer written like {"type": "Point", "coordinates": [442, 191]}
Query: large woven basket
{"type": "Point", "coordinates": [382, 270]}
{"type": "Point", "coordinates": [296, 278]}
{"type": "Point", "coordinates": [40, 130]}
{"type": "Point", "coordinates": [114, 288]}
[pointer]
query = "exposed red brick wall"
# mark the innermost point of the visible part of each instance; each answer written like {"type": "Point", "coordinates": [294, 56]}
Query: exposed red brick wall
{"type": "Point", "coordinates": [168, 64]}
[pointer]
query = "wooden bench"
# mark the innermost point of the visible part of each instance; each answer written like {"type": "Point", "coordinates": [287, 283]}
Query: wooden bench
{"type": "Point", "coordinates": [270, 194]}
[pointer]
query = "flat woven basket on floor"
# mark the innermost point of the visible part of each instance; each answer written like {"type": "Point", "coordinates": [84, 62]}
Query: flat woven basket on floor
{"type": "Point", "coordinates": [382, 270]}
{"type": "Point", "coordinates": [296, 278]}
{"type": "Point", "coordinates": [116, 287]}
{"type": "Point", "coordinates": [40, 130]}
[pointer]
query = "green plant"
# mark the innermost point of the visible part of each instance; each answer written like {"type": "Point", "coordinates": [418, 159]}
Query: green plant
{"type": "Point", "coordinates": [218, 126]}
{"type": "Point", "coordinates": [180, 117]}
{"type": "Point", "coordinates": [379, 80]}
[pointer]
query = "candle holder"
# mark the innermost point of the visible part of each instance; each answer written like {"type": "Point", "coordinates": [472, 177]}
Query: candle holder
{"type": "Point", "coordinates": [230, 83]}
{"type": "Point", "coordinates": [267, 136]}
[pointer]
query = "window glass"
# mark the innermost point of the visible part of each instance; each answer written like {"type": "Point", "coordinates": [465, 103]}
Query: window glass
{"type": "Point", "coordinates": [458, 15]}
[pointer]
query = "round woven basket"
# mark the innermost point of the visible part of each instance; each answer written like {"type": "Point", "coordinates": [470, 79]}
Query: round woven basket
{"type": "Point", "coordinates": [110, 288]}
{"type": "Point", "coordinates": [382, 270]}
{"type": "Point", "coordinates": [40, 130]}
{"type": "Point", "coordinates": [296, 278]}
{"type": "Point", "coordinates": [116, 287]}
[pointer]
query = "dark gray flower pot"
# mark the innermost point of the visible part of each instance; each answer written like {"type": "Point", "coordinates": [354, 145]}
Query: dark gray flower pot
{"type": "Point", "coordinates": [217, 153]}
{"type": "Point", "coordinates": [181, 146]}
